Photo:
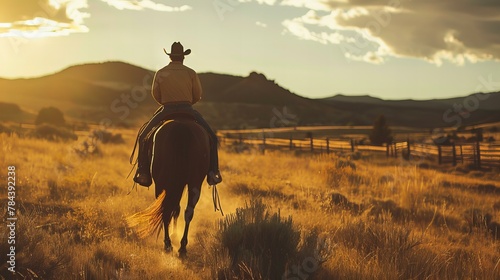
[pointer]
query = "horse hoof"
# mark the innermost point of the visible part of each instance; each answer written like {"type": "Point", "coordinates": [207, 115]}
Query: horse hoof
{"type": "Point", "coordinates": [168, 249]}
{"type": "Point", "coordinates": [182, 252]}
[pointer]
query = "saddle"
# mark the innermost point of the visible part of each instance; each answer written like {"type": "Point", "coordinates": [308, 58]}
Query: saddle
{"type": "Point", "coordinates": [179, 115]}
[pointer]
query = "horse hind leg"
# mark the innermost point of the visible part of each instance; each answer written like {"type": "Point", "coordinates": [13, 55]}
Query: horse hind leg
{"type": "Point", "coordinates": [168, 243]}
{"type": "Point", "coordinates": [193, 197]}
{"type": "Point", "coordinates": [167, 217]}
{"type": "Point", "coordinates": [169, 214]}
{"type": "Point", "coordinates": [175, 216]}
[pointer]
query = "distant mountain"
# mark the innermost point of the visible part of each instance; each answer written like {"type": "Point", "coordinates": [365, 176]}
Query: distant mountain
{"type": "Point", "coordinates": [354, 99]}
{"type": "Point", "coordinates": [491, 101]}
{"type": "Point", "coordinates": [426, 113]}
{"type": "Point", "coordinates": [120, 93]}
{"type": "Point", "coordinates": [84, 92]}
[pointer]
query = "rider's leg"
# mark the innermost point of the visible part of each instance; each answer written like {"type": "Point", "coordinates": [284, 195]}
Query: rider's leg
{"type": "Point", "coordinates": [214, 176]}
{"type": "Point", "coordinates": [143, 173]}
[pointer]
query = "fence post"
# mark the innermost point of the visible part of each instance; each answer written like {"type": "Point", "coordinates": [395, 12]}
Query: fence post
{"type": "Point", "coordinates": [478, 148]}
{"type": "Point", "coordinates": [327, 145]}
{"type": "Point", "coordinates": [439, 155]}
{"type": "Point", "coordinates": [291, 142]}
{"type": "Point", "coordinates": [352, 145]}
{"type": "Point", "coordinates": [387, 149]}
{"type": "Point", "coordinates": [461, 154]}
{"type": "Point", "coordinates": [395, 150]}
{"type": "Point", "coordinates": [474, 154]}
{"type": "Point", "coordinates": [240, 138]}
{"type": "Point", "coordinates": [312, 144]}
{"type": "Point", "coordinates": [454, 154]}
{"type": "Point", "coordinates": [408, 148]}
{"type": "Point", "coordinates": [263, 142]}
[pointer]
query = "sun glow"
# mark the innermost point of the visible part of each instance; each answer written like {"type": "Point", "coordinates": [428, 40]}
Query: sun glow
{"type": "Point", "coordinates": [39, 27]}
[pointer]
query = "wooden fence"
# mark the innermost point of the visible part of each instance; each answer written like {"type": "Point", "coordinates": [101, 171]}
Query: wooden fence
{"type": "Point", "coordinates": [478, 154]}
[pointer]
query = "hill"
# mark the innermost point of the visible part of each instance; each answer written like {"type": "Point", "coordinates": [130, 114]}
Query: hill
{"type": "Point", "coordinates": [120, 93]}
{"type": "Point", "coordinates": [468, 110]}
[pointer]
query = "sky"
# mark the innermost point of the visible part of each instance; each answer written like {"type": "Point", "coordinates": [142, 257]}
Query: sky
{"type": "Point", "coordinates": [391, 49]}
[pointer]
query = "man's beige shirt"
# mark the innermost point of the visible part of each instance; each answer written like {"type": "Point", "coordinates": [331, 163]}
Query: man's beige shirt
{"type": "Point", "coordinates": [176, 83]}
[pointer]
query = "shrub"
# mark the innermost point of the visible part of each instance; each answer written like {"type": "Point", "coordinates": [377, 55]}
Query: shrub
{"type": "Point", "coordinates": [253, 243]}
{"type": "Point", "coordinates": [87, 147]}
{"type": "Point", "coordinates": [107, 137]}
{"type": "Point", "coordinates": [53, 133]}
{"type": "Point", "coordinates": [259, 244]}
{"type": "Point", "coordinates": [50, 115]}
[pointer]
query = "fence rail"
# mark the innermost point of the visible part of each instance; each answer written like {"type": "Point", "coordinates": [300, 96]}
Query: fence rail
{"type": "Point", "coordinates": [478, 154]}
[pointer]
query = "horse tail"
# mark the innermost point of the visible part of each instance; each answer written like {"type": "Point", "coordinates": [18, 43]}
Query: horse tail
{"type": "Point", "coordinates": [150, 220]}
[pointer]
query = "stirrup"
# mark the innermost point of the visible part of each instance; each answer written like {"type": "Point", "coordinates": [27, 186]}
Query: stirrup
{"type": "Point", "coordinates": [143, 179]}
{"type": "Point", "coordinates": [214, 178]}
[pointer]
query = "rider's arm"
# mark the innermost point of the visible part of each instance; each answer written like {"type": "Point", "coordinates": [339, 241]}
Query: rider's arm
{"type": "Point", "coordinates": [155, 89]}
{"type": "Point", "coordinates": [196, 89]}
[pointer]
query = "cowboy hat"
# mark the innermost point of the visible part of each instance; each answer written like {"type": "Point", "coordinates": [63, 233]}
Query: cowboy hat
{"type": "Point", "coordinates": [177, 49]}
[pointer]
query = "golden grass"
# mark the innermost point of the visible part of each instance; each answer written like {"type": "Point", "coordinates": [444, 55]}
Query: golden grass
{"type": "Point", "coordinates": [379, 218]}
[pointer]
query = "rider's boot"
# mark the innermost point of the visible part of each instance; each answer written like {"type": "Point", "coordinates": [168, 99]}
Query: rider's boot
{"type": "Point", "coordinates": [143, 173]}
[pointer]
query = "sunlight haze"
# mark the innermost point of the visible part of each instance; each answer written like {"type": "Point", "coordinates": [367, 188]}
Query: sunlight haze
{"type": "Point", "coordinates": [387, 49]}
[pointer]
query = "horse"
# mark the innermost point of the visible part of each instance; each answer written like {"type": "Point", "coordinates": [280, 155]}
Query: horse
{"type": "Point", "coordinates": [181, 156]}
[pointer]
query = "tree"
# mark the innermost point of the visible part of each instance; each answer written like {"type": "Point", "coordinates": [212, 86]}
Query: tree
{"type": "Point", "coordinates": [50, 115]}
{"type": "Point", "coordinates": [380, 133]}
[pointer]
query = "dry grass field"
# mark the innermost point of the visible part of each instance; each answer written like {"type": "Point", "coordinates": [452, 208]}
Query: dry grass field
{"type": "Point", "coordinates": [288, 216]}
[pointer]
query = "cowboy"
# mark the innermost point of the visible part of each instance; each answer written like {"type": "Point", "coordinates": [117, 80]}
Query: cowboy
{"type": "Point", "coordinates": [176, 87]}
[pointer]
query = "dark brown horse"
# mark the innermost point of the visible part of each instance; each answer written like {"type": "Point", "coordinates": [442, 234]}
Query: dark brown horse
{"type": "Point", "coordinates": [180, 157]}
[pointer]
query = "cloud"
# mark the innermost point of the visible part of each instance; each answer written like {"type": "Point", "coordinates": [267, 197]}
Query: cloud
{"type": "Point", "coordinates": [448, 30]}
{"type": "Point", "coordinates": [144, 4]}
{"type": "Point", "coordinates": [456, 31]}
{"type": "Point", "coordinates": [39, 27]}
{"type": "Point", "coordinates": [268, 2]}
{"type": "Point", "coordinates": [261, 24]}
{"type": "Point", "coordinates": [45, 18]}
{"type": "Point", "coordinates": [313, 5]}
{"type": "Point", "coordinates": [299, 27]}
{"type": "Point", "coordinates": [42, 18]}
